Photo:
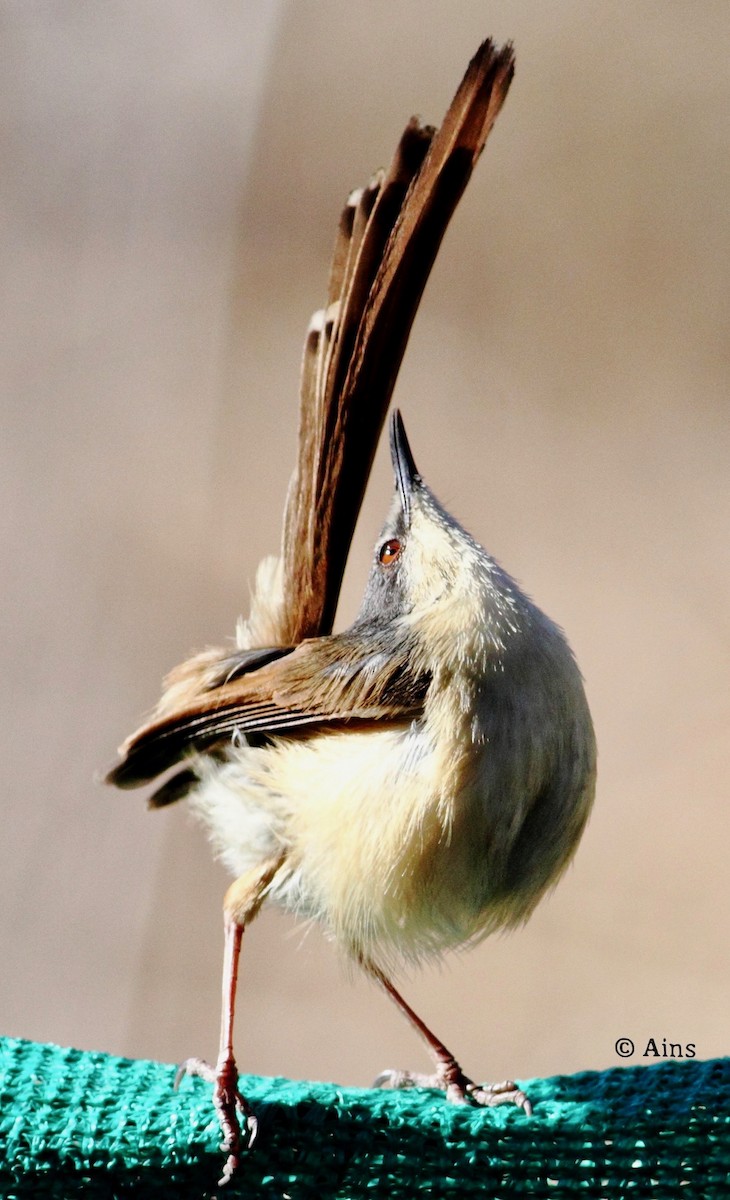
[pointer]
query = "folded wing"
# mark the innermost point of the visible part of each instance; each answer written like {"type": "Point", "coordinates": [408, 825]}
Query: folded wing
{"type": "Point", "coordinates": [328, 682]}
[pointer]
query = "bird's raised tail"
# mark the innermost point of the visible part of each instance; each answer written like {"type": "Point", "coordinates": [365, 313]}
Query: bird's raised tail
{"type": "Point", "coordinates": [388, 238]}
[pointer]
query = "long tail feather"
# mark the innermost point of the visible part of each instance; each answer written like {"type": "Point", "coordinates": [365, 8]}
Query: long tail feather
{"type": "Point", "coordinates": [388, 239]}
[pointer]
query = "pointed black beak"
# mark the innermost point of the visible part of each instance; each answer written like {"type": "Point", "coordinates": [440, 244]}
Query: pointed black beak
{"type": "Point", "coordinates": [405, 469]}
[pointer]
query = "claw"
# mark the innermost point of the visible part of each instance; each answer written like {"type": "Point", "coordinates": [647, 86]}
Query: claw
{"type": "Point", "coordinates": [194, 1066]}
{"type": "Point", "coordinates": [228, 1103]}
{"type": "Point", "coordinates": [395, 1079]}
{"type": "Point", "coordinates": [491, 1094]}
{"type": "Point", "coordinates": [458, 1088]}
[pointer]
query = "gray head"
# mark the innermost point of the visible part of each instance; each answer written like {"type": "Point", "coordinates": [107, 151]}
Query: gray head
{"type": "Point", "coordinates": [429, 573]}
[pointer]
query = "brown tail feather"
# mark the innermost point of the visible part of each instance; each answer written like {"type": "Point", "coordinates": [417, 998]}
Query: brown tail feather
{"type": "Point", "coordinates": [387, 242]}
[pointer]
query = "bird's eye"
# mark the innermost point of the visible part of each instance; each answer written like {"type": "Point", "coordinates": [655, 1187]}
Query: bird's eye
{"type": "Point", "coordinates": [389, 551]}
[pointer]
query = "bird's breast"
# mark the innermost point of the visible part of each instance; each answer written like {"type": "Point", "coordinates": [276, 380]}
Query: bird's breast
{"type": "Point", "coordinates": [400, 839]}
{"type": "Point", "coordinates": [387, 837]}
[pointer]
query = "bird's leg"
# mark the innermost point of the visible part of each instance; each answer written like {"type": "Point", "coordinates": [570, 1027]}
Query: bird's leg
{"type": "Point", "coordinates": [241, 904]}
{"type": "Point", "coordinates": [227, 1099]}
{"type": "Point", "coordinates": [449, 1076]}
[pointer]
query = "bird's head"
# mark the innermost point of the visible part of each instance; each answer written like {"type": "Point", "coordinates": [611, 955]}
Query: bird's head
{"type": "Point", "coordinates": [428, 574]}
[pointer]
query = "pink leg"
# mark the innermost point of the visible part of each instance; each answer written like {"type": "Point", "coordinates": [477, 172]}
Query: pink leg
{"type": "Point", "coordinates": [242, 902]}
{"type": "Point", "coordinates": [448, 1076]}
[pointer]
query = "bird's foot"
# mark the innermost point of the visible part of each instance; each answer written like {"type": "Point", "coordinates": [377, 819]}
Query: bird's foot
{"type": "Point", "coordinates": [229, 1103]}
{"type": "Point", "coordinates": [459, 1089]}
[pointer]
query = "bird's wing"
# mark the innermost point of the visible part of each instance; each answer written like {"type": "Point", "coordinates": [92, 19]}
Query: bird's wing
{"type": "Point", "coordinates": [325, 682]}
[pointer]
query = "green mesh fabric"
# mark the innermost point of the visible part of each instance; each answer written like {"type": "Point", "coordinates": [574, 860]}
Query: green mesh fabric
{"type": "Point", "coordinates": [80, 1124]}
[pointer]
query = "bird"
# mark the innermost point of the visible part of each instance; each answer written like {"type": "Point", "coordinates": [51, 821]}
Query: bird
{"type": "Point", "coordinates": [418, 780]}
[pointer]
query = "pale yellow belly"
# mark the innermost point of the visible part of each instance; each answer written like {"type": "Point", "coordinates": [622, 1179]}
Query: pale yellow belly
{"type": "Point", "coordinates": [374, 850]}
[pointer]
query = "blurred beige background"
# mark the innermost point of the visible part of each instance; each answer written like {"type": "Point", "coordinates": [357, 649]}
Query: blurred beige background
{"type": "Point", "coordinates": [172, 178]}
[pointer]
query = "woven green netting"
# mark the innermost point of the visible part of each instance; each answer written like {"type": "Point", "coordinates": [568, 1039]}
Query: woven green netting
{"type": "Point", "coordinates": [80, 1124]}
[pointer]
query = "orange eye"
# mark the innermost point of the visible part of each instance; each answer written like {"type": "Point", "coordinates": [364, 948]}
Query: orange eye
{"type": "Point", "coordinates": [389, 551]}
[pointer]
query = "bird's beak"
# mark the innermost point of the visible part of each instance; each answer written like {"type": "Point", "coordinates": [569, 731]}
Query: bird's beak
{"type": "Point", "coordinates": [404, 468]}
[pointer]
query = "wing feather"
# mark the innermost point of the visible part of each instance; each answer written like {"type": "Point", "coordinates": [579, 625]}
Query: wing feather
{"type": "Point", "coordinates": [325, 683]}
